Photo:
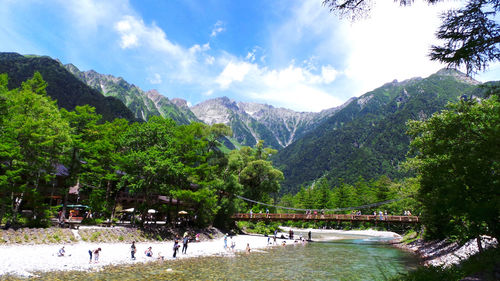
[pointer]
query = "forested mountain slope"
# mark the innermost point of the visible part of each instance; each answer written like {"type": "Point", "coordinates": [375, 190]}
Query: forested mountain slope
{"type": "Point", "coordinates": [62, 85]}
{"type": "Point", "coordinates": [142, 104]}
{"type": "Point", "coordinates": [367, 137]}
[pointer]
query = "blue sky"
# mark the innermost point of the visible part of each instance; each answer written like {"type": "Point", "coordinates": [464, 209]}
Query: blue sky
{"type": "Point", "coordinates": [290, 53]}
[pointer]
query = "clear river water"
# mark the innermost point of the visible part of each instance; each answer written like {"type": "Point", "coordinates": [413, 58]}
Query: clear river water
{"type": "Point", "coordinates": [351, 258]}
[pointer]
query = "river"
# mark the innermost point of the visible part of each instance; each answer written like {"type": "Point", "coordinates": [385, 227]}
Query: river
{"type": "Point", "coordinates": [350, 258]}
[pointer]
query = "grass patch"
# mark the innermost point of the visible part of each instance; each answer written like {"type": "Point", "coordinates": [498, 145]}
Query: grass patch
{"type": "Point", "coordinates": [95, 236]}
{"type": "Point", "coordinates": [411, 236]}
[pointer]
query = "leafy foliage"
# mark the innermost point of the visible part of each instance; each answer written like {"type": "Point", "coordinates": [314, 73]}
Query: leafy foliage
{"type": "Point", "coordinates": [34, 136]}
{"type": "Point", "coordinates": [157, 157]}
{"type": "Point", "coordinates": [471, 35]}
{"type": "Point", "coordinates": [458, 160]}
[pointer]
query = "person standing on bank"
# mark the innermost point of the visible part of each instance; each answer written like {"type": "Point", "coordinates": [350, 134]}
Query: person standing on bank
{"type": "Point", "coordinates": [176, 248]}
{"type": "Point", "coordinates": [185, 241]}
{"type": "Point", "coordinates": [133, 249]}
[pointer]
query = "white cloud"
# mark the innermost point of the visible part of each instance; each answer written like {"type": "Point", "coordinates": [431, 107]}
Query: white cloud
{"type": "Point", "coordinates": [297, 88]}
{"type": "Point", "coordinates": [328, 74]}
{"type": "Point", "coordinates": [218, 28]}
{"type": "Point", "coordinates": [178, 63]}
{"type": "Point", "coordinates": [208, 93]}
{"type": "Point", "coordinates": [197, 48]}
{"type": "Point", "coordinates": [251, 56]}
{"type": "Point", "coordinates": [132, 30]}
{"type": "Point", "coordinates": [335, 58]}
{"type": "Point", "coordinates": [156, 79]}
{"type": "Point", "coordinates": [234, 71]}
{"type": "Point", "coordinates": [291, 87]}
{"type": "Point", "coordinates": [393, 43]}
{"type": "Point", "coordinates": [209, 60]}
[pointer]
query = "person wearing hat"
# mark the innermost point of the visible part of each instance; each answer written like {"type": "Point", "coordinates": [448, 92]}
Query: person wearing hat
{"type": "Point", "coordinates": [185, 241]}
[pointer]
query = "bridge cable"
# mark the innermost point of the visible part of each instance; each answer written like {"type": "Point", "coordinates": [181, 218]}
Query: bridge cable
{"type": "Point", "coordinates": [298, 209]}
{"type": "Point", "coordinates": [331, 210]}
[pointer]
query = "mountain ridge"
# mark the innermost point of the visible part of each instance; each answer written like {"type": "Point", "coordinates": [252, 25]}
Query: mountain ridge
{"type": "Point", "coordinates": [143, 104]}
{"type": "Point", "coordinates": [63, 86]}
{"type": "Point", "coordinates": [367, 137]}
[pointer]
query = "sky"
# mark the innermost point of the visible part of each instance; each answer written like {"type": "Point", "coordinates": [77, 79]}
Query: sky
{"type": "Point", "coordinates": [286, 53]}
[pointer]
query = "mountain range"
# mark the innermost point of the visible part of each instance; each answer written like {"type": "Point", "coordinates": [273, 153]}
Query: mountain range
{"type": "Point", "coordinates": [250, 122]}
{"type": "Point", "coordinates": [364, 137]}
{"type": "Point", "coordinates": [367, 138]}
{"type": "Point", "coordinates": [142, 104]}
{"type": "Point", "coordinates": [62, 85]}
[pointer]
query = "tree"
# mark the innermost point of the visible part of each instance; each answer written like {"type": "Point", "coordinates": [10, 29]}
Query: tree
{"type": "Point", "coordinates": [259, 177]}
{"type": "Point", "coordinates": [458, 162]}
{"type": "Point", "coordinates": [344, 196]}
{"type": "Point", "coordinates": [34, 137]}
{"type": "Point", "coordinates": [151, 160]}
{"type": "Point", "coordinates": [101, 165]}
{"type": "Point", "coordinates": [471, 34]}
{"type": "Point", "coordinates": [83, 124]}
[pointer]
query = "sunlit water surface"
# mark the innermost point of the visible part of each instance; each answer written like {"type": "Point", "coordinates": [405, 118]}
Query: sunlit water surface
{"type": "Point", "coordinates": [358, 258]}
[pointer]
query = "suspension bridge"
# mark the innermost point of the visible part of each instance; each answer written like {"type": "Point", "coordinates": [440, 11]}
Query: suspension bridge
{"type": "Point", "coordinates": [325, 217]}
{"type": "Point", "coordinates": [319, 215]}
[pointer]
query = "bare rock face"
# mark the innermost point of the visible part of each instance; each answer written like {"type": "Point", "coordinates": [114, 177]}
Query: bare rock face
{"type": "Point", "coordinates": [216, 111]}
{"type": "Point", "coordinates": [458, 75]}
{"type": "Point", "coordinates": [278, 127]}
{"type": "Point", "coordinates": [181, 103]}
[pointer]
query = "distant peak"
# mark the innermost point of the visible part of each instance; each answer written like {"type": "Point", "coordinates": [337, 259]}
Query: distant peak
{"type": "Point", "coordinates": [224, 99]}
{"type": "Point", "coordinates": [153, 92]}
{"type": "Point", "coordinates": [452, 72]}
{"type": "Point", "coordinates": [72, 67]}
{"type": "Point", "coordinates": [179, 102]}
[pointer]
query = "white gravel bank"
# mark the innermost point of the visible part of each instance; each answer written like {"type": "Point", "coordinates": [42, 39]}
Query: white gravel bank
{"type": "Point", "coordinates": [23, 260]}
{"type": "Point", "coordinates": [332, 234]}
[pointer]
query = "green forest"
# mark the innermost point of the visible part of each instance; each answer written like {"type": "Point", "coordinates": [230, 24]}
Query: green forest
{"type": "Point", "coordinates": [104, 158]}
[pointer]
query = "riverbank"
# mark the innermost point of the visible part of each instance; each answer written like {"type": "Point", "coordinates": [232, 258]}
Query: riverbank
{"type": "Point", "coordinates": [24, 260]}
{"type": "Point", "coordinates": [445, 253]}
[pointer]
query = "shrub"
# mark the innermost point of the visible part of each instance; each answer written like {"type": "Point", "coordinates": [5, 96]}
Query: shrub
{"type": "Point", "coordinates": [56, 237]}
{"type": "Point", "coordinates": [95, 236]}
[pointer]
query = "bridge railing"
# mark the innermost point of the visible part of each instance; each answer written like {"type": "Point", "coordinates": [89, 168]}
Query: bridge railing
{"type": "Point", "coordinates": [326, 217]}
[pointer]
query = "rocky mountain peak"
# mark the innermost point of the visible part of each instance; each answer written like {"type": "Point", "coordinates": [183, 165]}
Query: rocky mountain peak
{"type": "Point", "coordinates": [213, 111]}
{"type": "Point", "coordinates": [153, 93]}
{"type": "Point", "coordinates": [181, 103]}
{"type": "Point", "coordinates": [460, 76]}
{"type": "Point", "coordinates": [71, 68]}
{"type": "Point", "coordinates": [252, 108]}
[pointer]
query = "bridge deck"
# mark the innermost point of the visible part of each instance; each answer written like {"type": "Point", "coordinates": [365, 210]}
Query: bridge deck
{"type": "Point", "coordinates": [326, 217]}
